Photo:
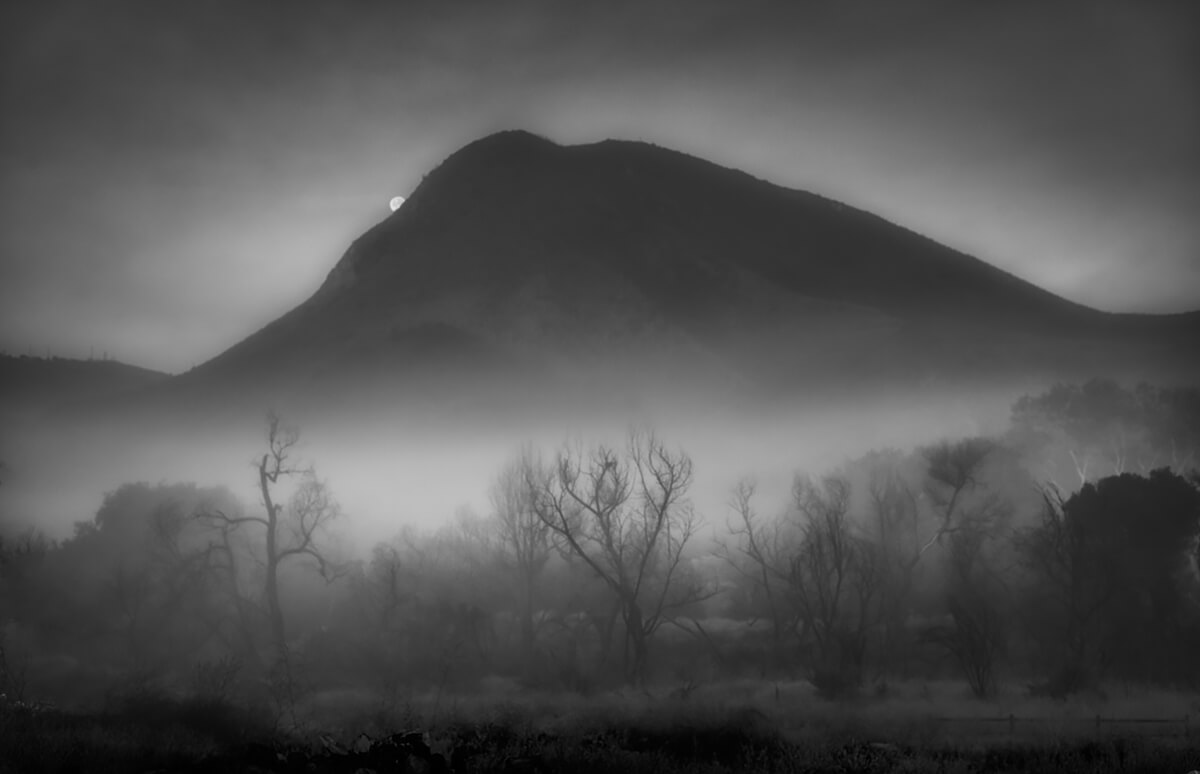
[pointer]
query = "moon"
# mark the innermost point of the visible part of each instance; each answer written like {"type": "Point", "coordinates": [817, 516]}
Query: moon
{"type": "Point", "coordinates": [396, 202]}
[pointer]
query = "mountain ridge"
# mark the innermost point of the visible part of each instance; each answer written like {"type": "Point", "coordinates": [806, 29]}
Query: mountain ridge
{"type": "Point", "coordinates": [36, 383]}
{"type": "Point", "coordinates": [513, 150]}
{"type": "Point", "coordinates": [553, 257]}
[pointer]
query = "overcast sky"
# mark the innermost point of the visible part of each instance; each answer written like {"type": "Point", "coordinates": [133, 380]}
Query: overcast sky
{"type": "Point", "coordinates": [174, 175]}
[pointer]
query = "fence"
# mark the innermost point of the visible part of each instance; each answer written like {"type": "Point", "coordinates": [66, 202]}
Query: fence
{"type": "Point", "coordinates": [1175, 726]}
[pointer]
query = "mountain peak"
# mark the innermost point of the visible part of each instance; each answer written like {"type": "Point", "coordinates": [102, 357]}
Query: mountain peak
{"type": "Point", "coordinates": [484, 175]}
{"type": "Point", "coordinates": [507, 147]}
{"type": "Point", "coordinates": [567, 255]}
{"type": "Point", "coordinates": [514, 204]}
{"type": "Point", "coordinates": [511, 139]}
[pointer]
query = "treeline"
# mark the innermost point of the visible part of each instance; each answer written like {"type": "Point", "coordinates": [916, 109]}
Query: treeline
{"type": "Point", "coordinates": [1063, 553]}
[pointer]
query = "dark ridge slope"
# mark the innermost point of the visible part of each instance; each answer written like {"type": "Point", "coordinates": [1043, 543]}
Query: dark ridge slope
{"type": "Point", "coordinates": [514, 233]}
{"type": "Point", "coordinates": [519, 191]}
{"type": "Point", "coordinates": [34, 383]}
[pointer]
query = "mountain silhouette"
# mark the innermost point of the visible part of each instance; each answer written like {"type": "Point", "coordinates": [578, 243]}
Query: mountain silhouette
{"type": "Point", "coordinates": [31, 385]}
{"type": "Point", "coordinates": [523, 262]}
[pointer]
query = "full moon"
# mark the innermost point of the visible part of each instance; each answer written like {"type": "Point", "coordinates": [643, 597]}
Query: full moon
{"type": "Point", "coordinates": [396, 202]}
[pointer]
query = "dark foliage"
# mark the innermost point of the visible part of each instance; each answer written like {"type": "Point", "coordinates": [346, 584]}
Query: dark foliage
{"type": "Point", "coordinates": [1115, 581]}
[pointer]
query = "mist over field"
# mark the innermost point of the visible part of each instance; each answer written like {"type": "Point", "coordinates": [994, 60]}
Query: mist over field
{"type": "Point", "coordinates": [392, 469]}
{"type": "Point", "coordinates": [891, 560]}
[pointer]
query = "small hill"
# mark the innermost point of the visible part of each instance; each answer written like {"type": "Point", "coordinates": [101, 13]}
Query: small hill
{"type": "Point", "coordinates": [35, 384]}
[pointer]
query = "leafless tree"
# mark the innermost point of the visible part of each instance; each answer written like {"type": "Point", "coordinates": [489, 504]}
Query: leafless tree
{"type": "Point", "coordinates": [524, 539]}
{"type": "Point", "coordinates": [835, 579]}
{"type": "Point", "coordinates": [294, 531]}
{"type": "Point", "coordinates": [627, 516]}
{"type": "Point", "coordinates": [164, 590]}
{"type": "Point", "coordinates": [761, 553]}
{"type": "Point", "coordinates": [955, 471]}
{"type": "Point", "coordinates": [970, 518]}
{"type": "Point", "coordinates": [909, 517]}
{"type": "Point", "coordinates": [1084, 432]}
{"type": "Point", "coordinates": [977, 632]}
{"type": "Point", "coordinates": [224, 558]}
{"type": "Point", "coordinates": [893, 523]}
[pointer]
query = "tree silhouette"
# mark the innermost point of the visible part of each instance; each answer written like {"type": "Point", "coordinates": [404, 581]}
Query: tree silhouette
{"type": "Point", "coordinates": [291, 532]}
{"type": "Point", "coordinates": [524, 538]}
{"type": "Point", "coordinates": [1078, 433]}
{"type": "Point", "coordinates": [969, 518]}
{"type": "Point", "coordinates": [627, 517]}
{"type": "Point", "coordinates": [834, 577]}
{"type": "Point", "coordinates": [1073, 588]}
{"type": "Point", "coordinates": [761, 553]}
{"type": "Point", "coordinates": [1115, 564]}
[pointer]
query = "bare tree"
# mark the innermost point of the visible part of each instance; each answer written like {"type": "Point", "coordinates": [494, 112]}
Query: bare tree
{"type": "Point", "coordinates": [970, 517]}
{"type": "Point", "coordinates": [835, 579]}
{"type": "Point", "coordinates": [628, 518]}
{"type": "Point", "coordinates": [955, 471]}
{"type": "Point", "coordinates": [224, 558]}
{"type": "Point", "coordinates": [762, 555]}
{"type": "Point", "coordinates": [294, 531]}
{"type": "Point", "coordinates": [976, 637]}
{"type": "Point", "coordinates": [525, 539]}
{"type": "Point", "coordinates": [893, 523]}
{"type": "Point", "coordinates": [1085, 432]}
{"type": "Point", "coordinates": [907, 519]}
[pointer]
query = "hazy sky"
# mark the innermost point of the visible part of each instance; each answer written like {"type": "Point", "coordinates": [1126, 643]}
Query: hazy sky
{"type": "Point", "coordinates": [174, 175]}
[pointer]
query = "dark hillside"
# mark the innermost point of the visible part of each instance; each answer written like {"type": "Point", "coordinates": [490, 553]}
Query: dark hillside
{"type": "Point", "coordinates": [520, 259]}
{"type": "Point", "coordinates": [37, 384]}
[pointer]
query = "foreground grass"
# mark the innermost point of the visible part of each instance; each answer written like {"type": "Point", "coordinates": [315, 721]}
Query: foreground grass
{"type": "Point", "coordinates": [162, 734]}
{"type": "Point", "coordinates": [552, 733]}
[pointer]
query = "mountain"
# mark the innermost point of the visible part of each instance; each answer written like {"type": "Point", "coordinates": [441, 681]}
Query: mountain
{"type": "Point", "coordinates": [519, 264]}
{"type": "Point", "coordinates": [528, 291]}
{"type": "Point", "coordinates": [33, 385]}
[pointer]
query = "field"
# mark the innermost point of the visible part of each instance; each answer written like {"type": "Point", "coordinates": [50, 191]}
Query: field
{"type": "Point", "coordinates": [734, 726]}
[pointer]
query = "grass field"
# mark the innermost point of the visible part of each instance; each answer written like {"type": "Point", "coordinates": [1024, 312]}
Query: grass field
{"type": "Point", "coordinates": [734, 726]}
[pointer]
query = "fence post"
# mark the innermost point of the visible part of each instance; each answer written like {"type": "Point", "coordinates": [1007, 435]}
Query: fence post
{"type": "Point", "coordinates": [1011, 723]}
{"type": "Point", "coordinates": [1097, 725]}
{"type": "Point", "coordinates": [1187, 732]}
